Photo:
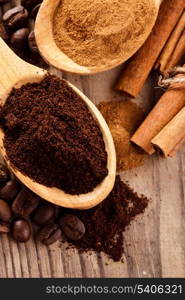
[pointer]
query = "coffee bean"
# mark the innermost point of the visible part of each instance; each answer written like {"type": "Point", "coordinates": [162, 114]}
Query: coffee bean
{"type": "Point", "coordinates": [3, 32]}
{"type": "Point", "coordinates": [15, 17]}
{"type": "Point", "coordinates": [25, 203]}
{"type": "Point", "coordinates": [4, 227]}
{"type": "Point", "coordinates": [32, 42]}
{"type": "Point", "coordinates": [72, 227]}
{"type": "Point", "coordinates": [30, 4]}
{"type": "Point", "coordinates": [10, 190]}
{"type": "Point", "coordinates": [49, 234]}
{"type": "Point", "coordinates": [34, 11]}
{"type": "Point", "coordinates": [35, 228]}
{"type": "Point", "coordinates": [44, 214]}
{"type": "Point", "coordinates": [4, 174]}
{"type": "Point", "coordinates": [19, 39]}
{"type": "Point", "coordinates": [5, 212]}
{"type": "Point", "coordinates": [21, 231]}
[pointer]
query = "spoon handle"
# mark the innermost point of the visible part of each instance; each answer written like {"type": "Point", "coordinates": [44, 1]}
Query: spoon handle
{"type": "Point", "coordinates": [158, 2]}
{"type": "Point", "coordinates": [14, 71]}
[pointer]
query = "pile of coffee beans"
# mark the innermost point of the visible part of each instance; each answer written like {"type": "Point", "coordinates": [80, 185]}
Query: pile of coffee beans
{"type": "Point", "coordinates": [24, 214]}
{"type": "Point", "coordinates": [17, 30]}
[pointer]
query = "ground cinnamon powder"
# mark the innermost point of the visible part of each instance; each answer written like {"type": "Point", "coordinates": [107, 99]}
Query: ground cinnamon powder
{"type": "Point", "coordinates": [51, 136]}
{"type": "Point", "coordinates": [95, 32]}
{"type": "Point", "coordinates": [123, 118]}
{"type": "Point", "coordinates": [106, 222]}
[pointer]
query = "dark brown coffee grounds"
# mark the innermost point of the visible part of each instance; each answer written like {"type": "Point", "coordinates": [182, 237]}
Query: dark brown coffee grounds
{"type": "Point", "coordinates": [106, 222]}
{"type": "Point", "coordinates": [98, 229]}
{"type": "Point", "coordinates": [51, 136]}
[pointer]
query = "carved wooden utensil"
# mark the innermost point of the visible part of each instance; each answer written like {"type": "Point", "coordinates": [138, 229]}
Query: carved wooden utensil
{"type": "Point", "coordinates": [55, 57]}
{"type": "Point", "coordinates": [14, 72]}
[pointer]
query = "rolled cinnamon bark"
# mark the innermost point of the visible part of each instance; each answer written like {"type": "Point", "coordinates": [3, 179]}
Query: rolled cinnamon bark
{"type": "Point", "coordinates": [138, 68]}
{"type": "Point", "coordinates": [171, 137]}
{"type": "Point", "coordinates": [171, 102]}
{"type": "Point", "coordinates": [177, 55]}
{"type": "Point", "coordinates": [165, 61]}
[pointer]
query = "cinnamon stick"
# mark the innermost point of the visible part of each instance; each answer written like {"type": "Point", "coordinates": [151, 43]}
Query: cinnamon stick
{"type": "Point", "coordinates": [177, 147]}
{"type": "Point", "coordinates": [170, 138]}
{"type": "Point", "coordinates": [171, 102]}
{"type": "Point", "coordinates": [164, 61]}
{"type": "Point", "coordinates": [138, 68]}
{"type": "Point", "coordinates": [178, 53]}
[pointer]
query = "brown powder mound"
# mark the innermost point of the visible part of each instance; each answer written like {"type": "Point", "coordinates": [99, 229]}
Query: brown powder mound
{"type": "Point", "coordinates": [121, 137]}
{"type": "Point", "coordinates": [51, 136]}
{"type": "Point", "coordinates": [106, 222]}
{"type": "Point", "coordinates": [123, 118]}
{"type": "Point", "coordinates": [96, 32]}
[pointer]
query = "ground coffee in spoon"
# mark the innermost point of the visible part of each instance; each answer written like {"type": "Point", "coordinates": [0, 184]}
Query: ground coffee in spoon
{"type": "Point", "coordinates": [51, 136]}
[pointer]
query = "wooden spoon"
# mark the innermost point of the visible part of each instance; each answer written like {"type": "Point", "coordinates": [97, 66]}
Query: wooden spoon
{"type": "Point", "coordinates": [55, 57]}
{"type": "Point", "coordinates": [14, 72]}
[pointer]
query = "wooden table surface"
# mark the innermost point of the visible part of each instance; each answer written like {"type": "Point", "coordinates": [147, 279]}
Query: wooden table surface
{"type": "Point", "coordinates": [154, 243]}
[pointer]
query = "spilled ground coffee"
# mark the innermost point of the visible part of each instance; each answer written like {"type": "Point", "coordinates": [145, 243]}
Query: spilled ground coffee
{"type": "Point", "coordinates": [51, 136]}
{"type": "Point", "coordinates": [106, 222]}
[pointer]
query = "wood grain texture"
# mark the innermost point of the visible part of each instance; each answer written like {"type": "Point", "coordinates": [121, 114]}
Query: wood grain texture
{"type": "Point", "coordinates": [154, 243]}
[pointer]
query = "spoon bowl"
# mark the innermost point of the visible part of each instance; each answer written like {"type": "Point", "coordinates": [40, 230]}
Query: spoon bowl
{"type": "Point", "coordinates": [14, 72]}
{"type": "Point", "coordinates": [55, 57]}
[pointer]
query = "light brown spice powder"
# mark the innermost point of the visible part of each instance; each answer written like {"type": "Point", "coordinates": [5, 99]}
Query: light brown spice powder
{"type": "Point", "coordinates": [96, 32]}
{"type": "Point", "coordinates": [123, 118]}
